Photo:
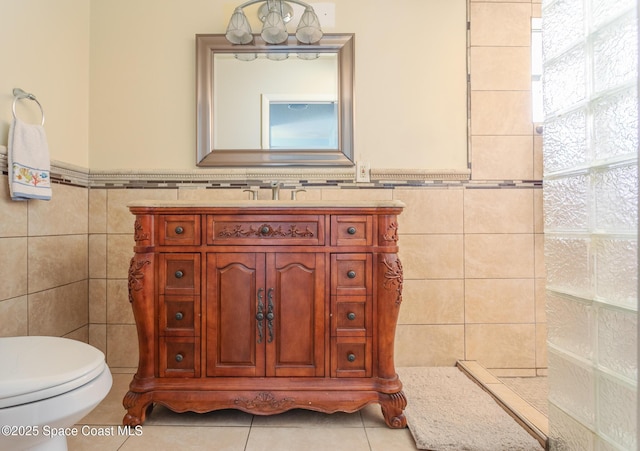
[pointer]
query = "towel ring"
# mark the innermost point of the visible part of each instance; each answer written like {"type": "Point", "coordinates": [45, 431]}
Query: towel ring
{"type": "Point", "coordinates": [19, 94]}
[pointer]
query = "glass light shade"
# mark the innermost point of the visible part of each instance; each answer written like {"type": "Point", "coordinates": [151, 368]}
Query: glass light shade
{"type": "Point", "coordinates": [309, 30]}
{"type": "Point", "coordinates": [246, 56]}
{"type": "Point", "coordinates": [308, 56]}
{"type": "Point", "coordinates": [239, 30]}
{"type": "Point", "coordinates": [285, 10]}
{"type": "Point", "coordinates": [274, 30]}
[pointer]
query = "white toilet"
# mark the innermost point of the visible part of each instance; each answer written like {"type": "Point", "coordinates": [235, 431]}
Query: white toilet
{"type": "Point", "coordinates": [47, 384]}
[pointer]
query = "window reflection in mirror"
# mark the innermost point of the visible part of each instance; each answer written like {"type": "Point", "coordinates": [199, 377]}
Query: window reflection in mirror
{"type": "Point", "coordinates": [302, 125]}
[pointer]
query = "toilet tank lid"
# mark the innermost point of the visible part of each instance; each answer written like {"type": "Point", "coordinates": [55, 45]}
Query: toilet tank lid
{"type": "Point", "coordinates": [36, 363]}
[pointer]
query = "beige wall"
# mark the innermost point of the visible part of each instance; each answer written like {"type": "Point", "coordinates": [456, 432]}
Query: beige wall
{"type": "Point", "coordinates": [45, 51]}
{"type": "Point", "coordinates": [472, 251]}
{"type": "Point", "coordinates": [410, 81]}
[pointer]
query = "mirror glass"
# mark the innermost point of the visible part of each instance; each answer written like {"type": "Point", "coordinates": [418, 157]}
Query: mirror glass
{"type": "Point", "coordinates": [266, 105]}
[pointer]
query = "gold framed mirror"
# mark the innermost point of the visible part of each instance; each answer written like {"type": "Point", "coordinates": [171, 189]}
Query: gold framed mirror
{"type": "Point", "coordinates": [235, 83]}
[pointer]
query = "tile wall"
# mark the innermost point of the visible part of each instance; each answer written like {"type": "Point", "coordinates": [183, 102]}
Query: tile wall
{"type": "Point", "coordinates": [472, 250]}
{"type": "Point", "coordinates": [43, 264]}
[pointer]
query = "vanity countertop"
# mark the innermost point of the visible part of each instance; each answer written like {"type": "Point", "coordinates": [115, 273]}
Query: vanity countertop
{"type": "Point", "coordinates": [267, 204]}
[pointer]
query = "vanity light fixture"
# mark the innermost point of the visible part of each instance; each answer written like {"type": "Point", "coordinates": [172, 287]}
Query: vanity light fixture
{"type": "Point", "coordinates": [274, 14]}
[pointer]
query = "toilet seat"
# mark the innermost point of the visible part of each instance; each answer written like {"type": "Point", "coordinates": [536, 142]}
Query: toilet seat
{"type": "Point", "coordinates": [35, 368]}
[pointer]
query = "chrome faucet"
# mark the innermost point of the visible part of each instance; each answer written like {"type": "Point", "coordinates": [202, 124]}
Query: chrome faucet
{"type": "Point", "coordinates": [295, 192]}
{"type": "Point", "coordinates": [275, 190]}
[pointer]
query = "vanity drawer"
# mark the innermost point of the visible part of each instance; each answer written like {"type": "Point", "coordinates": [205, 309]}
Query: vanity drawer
{"type": "Point", "coordinates": [179, 230]}
{"type": "Point", "coordinates": [351, 316]}
{"type": "Point", "coordinates": [179, 274]}
{"type": "Point", "coordinates": [268, 229]}
{"type": "Point", "coordinates": [179, 357]}
{"type": "Point", "coordinates": [351, 357]}
{"type": "Point", "coordinates": [179, 315]}
{"type": "Point", "coordinates": [351, 274]}
{"type": "Point", "coordinates": [351, 230]}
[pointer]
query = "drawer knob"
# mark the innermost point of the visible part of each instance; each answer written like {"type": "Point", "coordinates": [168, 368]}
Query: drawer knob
{"type": "Point", "coordinates": [351, 357]}
{"type": "Point", "coordinates": [352, 230]}
{"type": "Point", "coordinates": [351, 316]}
{"type": "Point", "coordinates": [179, 316]}
{"type": "Point", "coordinates": [264, 230]}
{"type": "Point", "coordinates": [179, 357]}
{"type": "Point", "coordinates": [179, 230]}
{"type": "Point", "coordinates": [351, 274]}
{"type": "Point", "coordinates": [179, 274]}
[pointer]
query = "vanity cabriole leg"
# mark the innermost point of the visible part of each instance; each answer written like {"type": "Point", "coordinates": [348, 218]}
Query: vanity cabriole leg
{"type": "Point", "coordinates": [393, 406]}
{"type": "Point", "coordinates": [141, 282]}
{"type": "Point", "coordinates": [390, 278]}
{"type": "Point", "coordinates": [137, 405]}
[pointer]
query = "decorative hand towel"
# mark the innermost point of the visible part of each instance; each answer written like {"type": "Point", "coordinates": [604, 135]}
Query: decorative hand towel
{"type": "Point", "coordinates": [29, 165]}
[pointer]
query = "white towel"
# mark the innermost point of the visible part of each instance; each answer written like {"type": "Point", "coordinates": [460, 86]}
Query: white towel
{"type": "Point", "coordinates": [29, 164]}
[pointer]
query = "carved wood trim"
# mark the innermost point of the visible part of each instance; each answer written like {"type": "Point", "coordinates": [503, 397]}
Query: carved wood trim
{"type": "Point", "coordinates": [139, 234]}
{"type": "Point", "coordinates": [266, 231]}
{"type": "Point", "coordinates": [392, 232]}
{"type": "Point", "coordinates": [265, 402]}
{"type": "Point", "coordinates": [394, 277]}
{"type": "Point", "coordinates": [136, 276]}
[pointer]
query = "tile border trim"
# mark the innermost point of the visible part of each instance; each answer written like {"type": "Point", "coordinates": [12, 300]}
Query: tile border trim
{"type": "Point", "coordinates": [65, 173]}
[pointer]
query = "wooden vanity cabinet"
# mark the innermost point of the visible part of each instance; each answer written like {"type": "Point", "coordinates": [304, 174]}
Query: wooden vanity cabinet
{"type": "Point", "coordinates": [265, 307]}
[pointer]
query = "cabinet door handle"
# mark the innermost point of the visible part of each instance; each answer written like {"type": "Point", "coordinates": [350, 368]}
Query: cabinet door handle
{"type": "Point", "coordinates": [351, 316]}
{"type": "Point", "coordinates": [351, 274]}
{"type": "Point", "coordinates": [179, 358]}
{"type": "Point", "coordinates": [260, 315]}
{"type": "Point", "coordinates": [179, 316]}
{"type": "Point", "coordinates": [351, 357]}
{"type": "Point", "coordinates": [179, 230]}
{"type": "Point", "coordinates": [352, 230]}
{"type": "Point", "coordinates": [270, 315]}
{"type": "Point", "coordinates": [179, 274]}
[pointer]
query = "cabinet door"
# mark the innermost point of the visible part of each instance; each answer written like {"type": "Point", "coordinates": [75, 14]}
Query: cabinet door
{"type": "Point", "coordinates": [235, 290]}
{"type": "Point", "coordinates": [296, 297]}
{"type": "Point", "coordinates": [265, 314]}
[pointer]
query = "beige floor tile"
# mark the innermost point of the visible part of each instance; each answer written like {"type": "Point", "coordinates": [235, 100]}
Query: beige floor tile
{"type": "Point", "coordinates": [309, 419]}
{"type": "Point", "coordinates": [307, 438]}
{"type": "Point", "coordinates": [188, 438]}
{"type": "Point", "coordinates": [372, 416]}
{"type": "Point", "coordinates": [162, 416]}
{"type": "Point", "coordinates": [89, 440]}
{"type": "Point", "coordinates": [110, 411]}
{"type": "Point", "coordinates": [385, 439]}
{"type": "Point", "coordinates": [236, 430]}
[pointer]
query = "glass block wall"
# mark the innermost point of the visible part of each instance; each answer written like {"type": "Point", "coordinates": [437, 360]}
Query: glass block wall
{"type": "Point", "coordinates": [591, 216]}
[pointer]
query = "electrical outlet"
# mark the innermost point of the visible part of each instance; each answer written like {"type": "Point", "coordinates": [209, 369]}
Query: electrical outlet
{"type": "Point", "coordinates": [362, 171]}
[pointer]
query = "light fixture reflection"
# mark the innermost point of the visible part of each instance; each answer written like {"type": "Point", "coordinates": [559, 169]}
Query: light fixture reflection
{"type": "Point", "coordinates": [274, 14]}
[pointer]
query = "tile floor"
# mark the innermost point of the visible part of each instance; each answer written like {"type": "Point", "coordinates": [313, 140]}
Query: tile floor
{"type": "Point", "coordinates": [236, 431]}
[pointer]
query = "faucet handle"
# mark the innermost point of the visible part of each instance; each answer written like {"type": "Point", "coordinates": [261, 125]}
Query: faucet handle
{"type": "Point", "coordinates": [254, 193]}
{"type": "Point", "coordinates": [295, 192]}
